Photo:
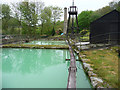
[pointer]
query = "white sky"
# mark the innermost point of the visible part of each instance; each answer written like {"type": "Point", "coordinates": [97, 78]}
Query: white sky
{"type": "Point", "coordinates": [81, 4]}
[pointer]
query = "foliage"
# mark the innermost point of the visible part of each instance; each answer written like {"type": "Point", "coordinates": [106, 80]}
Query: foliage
{"type": "Point", "coordinates": [95, 15]}
{"type": "Point", "coordinates": [53, 32]}
{"type": "Point", "coordinates": [46, 17]}
{"type": "Point", "coordinates": [115, 5]}
{"type": "Point", "coordinates": [30, 18]}
{"type": "Point", "coordinates": [59, 31]}
{"type": "Point", "coordinates": [5, 16]}
{"type": "Point", "coordinates": [59, 25]}
{"type": "Point", "coordinates": [104, 10]}
{"type": "Point", "coordinates": [84, 19]}
{"type": "Point", "coordinates": [6, 11]}
{"type": "Point", "coordinates": [83, 32]}
{"type": "Point", "coordinates": [33, 18]}
{"type": "Point", "coordinates": [56, 14]}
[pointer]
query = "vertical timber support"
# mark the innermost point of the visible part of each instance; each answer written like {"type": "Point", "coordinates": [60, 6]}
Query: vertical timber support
{"type": "Point", "coordinates": [72, 29]}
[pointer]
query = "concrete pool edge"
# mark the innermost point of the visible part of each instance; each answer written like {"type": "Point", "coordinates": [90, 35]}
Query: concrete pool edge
{"type": "Point", "coordinates": [35, 46]}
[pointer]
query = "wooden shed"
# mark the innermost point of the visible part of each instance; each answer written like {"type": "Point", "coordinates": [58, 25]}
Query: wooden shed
{"type": "Point", "coordinates": [106, 29]}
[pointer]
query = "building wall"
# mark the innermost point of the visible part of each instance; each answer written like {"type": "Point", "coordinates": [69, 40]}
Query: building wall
{"type": "Point", "coordinates": [105, 29]}
{"type": "Point", "coordinates": [119, 29]}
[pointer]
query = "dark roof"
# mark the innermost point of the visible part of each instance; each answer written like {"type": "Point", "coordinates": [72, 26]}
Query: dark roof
{"type": "Point", "coordinates": [114, 11]}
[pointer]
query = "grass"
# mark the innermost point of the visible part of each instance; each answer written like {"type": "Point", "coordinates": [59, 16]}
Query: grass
{"type": "Point", "coordinates": [35, 46]}
{"type": "Point", "coordinates": [105, 64]}
{"type": "Point", "coordinates": [85, 38]}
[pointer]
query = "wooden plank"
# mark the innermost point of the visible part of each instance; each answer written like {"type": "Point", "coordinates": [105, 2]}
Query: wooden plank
{"type": "Point", "coordinates": [69, 59]}
{"type": "Point", "coordinates": [72, 78]}
{"type": "Point", "coordinates": [72, 70]}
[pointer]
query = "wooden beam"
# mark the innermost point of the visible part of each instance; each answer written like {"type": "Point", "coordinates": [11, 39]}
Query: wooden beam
{"type": "Point", "coordinates": [72, 70]}
{"type": "Point", "coordinates": [69, 59]}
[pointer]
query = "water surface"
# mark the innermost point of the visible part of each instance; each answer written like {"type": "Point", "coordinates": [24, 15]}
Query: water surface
{"type": "Point", "coordinates": [38, 68]}
{"type": "Point", "coordinates": [0, 68]}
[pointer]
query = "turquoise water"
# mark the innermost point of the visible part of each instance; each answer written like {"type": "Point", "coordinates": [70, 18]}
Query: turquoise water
{"type": "Point", "coordinates": [38, 68]}
{"type": "Point", "coordinates": [47, 42]}
{"type": "Point", "coordinates": [0, 68]}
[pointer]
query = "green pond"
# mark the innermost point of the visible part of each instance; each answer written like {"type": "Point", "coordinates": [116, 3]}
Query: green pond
{"type": "Point", "coordinates": [38, 68]}
{"type": "Point", "coordinates": [0, 69]}
{"type": "Point", "coordinates": [47, 42]}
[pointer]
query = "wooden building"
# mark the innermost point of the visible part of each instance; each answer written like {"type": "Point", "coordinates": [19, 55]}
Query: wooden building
{"type": "Point", "coordinates": [106, 29]}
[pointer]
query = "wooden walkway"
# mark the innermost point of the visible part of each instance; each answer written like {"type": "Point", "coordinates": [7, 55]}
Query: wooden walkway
{"type": "Point", "coordinates": [72, 69]}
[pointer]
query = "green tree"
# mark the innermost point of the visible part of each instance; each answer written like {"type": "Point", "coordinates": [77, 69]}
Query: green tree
{"type": "Point", "coordinates": [84, 19]}
{"type": "Point", "coordinates": [115, 5]}
{"type": "Point", "coordinates": [5, 17]}
{"type": "Point", "coordinates": [56, 14]}
{"type": "Point", "coordinates": [17, 15]}
{"type": "Point", "coordinates": [6, 11]}
{"type": "Point", "coordinates": [29, 17]}
{"type": "Point", "coordinates": [59, 24]}
{"type": "Point", "coordinates": [46, 20]}
{"type": "Point", "coordinates": [13, 25]}
{"type": "Point", "coordinates": [95, 15]}
{"type": "Point", "coordinates": [27, 14]}
{"type": "Point", "coordinates": [118, 6]}
{"type": "Point", "coordinates": [42, 18]}
{"type": "Point", "coordinates": [104, 10]}
{"type": "Point", "coordinates": [53, 32]}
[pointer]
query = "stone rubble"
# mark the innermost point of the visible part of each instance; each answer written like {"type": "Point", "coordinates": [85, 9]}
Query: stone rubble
{"type": "Point", "coordinates": [90, 73]}
{"type": "Point", "coordinates": [95, 81]}
{"type": "Point", "coordinates": [84, 60]}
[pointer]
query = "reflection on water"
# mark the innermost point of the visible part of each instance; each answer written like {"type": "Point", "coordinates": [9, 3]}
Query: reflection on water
{"type": "Point", "coordinates": [47, 42]}
{"type": "Point", "coordinates": [31, 60]}
{"type": "Point", "coordinates": [37, 68]}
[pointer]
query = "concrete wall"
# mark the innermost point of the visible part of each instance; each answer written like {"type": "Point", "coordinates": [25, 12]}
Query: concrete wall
{"type": "Point", "coordinates": [65, 20]}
